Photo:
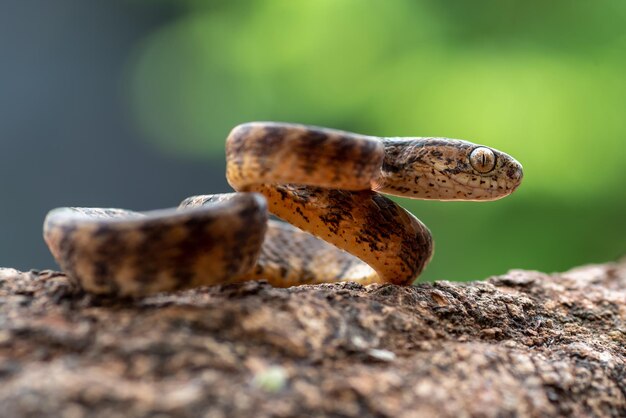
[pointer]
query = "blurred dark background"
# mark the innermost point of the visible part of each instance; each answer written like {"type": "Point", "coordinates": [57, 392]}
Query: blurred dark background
{"type": "Point", "coordinates": [127, 104]}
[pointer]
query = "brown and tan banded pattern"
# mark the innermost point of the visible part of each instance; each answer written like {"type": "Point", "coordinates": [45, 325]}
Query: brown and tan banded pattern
{"type": "Point", "coordinates": [322, 181]}
{"type": "Point", "coordinates": [118, 252]}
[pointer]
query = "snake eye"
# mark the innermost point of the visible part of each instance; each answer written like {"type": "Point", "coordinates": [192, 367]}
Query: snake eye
{"type": "Point", "coordinates": [483, 159]}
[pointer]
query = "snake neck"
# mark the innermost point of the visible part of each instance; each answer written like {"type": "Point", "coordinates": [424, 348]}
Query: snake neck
{"type": "Point", "coordinates": [397, 175]}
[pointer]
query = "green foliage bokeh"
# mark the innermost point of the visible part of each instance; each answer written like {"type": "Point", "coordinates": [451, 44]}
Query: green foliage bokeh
{"type": "Point", "coordinates": [542, 81]}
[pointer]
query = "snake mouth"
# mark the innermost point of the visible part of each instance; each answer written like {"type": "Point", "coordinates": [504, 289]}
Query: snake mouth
{"type": "Point", "coordinates": [487, 188]}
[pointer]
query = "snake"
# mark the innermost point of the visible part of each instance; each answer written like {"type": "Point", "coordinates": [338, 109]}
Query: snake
{"type": "Point", "coordinates": [331, 220]}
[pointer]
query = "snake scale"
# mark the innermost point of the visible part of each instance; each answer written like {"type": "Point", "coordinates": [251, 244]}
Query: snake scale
{"type": "Point", "coordinates": [322, 181]}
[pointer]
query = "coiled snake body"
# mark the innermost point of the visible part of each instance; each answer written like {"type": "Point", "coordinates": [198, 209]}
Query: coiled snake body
{"type": "Point", "coordinates": [322, 181]}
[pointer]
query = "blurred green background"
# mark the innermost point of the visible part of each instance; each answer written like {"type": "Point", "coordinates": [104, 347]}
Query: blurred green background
{"type": "Point", "coordinates": [542, 81]}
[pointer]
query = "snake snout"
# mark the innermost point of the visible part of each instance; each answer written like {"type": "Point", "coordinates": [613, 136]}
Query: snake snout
{"type": "Point", "coordinates": [514, 172]}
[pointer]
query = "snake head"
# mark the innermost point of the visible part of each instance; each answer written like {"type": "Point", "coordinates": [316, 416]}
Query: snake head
{"type": "Point", "coordinates": [446, 169]}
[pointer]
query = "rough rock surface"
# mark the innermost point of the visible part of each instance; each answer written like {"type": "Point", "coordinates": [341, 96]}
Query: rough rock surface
{"type": "Point", "coordinates": [521, 344]}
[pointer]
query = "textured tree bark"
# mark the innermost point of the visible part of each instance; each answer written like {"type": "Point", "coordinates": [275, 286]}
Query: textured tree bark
{"type": "Point", "coordinates": [522, 344]}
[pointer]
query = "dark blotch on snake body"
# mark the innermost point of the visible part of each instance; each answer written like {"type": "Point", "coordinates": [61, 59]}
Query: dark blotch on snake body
{"type": "Point", "coordinates": [305, 148]}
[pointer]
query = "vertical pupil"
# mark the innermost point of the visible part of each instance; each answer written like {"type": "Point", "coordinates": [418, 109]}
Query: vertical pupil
{"type": "Point", "coordinates": [482, 159]}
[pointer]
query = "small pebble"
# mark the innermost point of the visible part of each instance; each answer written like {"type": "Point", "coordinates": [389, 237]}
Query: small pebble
{"type": "Point", "coordinates": [272, 379]}
{"type": "Point", "coordinates": [382, 355]}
